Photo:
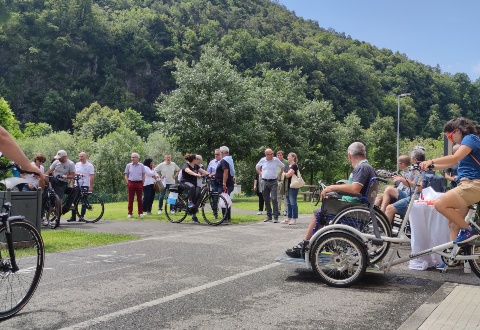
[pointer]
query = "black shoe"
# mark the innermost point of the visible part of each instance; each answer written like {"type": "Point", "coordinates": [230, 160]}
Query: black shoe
{"type": "Point", "coordinates": [71, 220]}
{"type": "Point", "coordinates": [81, 220]}
{"type": "Point", "coordinates": [298, 251]}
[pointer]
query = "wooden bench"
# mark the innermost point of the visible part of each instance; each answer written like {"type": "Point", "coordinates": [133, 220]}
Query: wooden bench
{"type": "Point", "coordinates": [308, 192]}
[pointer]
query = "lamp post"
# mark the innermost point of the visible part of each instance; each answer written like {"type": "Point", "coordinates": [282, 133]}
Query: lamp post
{"type": "Point", "coordinates": [398, 126]}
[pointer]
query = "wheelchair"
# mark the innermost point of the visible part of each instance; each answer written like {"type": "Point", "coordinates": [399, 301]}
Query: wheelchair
{"type": "Point", "coordinates": [357, 215]}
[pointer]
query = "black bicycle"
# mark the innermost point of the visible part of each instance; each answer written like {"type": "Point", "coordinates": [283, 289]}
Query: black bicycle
{"type": "Point", "coordinates": [88, 206]}
{"type": "Point", "coordinates": [51, 205]}
{"type": "Point", "coordinates": [22, 257]}
{"type": "Point", "coordinates": [212, 204]}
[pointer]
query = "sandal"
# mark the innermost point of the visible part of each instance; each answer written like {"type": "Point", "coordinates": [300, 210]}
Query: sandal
{"type": "Point", "coordinates": [286, 221]}
{"type": "Point", "coordinates": [293, 222]}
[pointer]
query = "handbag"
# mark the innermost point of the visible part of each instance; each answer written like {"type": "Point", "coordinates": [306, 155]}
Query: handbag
{"type": "Point", "coordinates": [221, 201]}
{"type": "Point", "coordinates": [297, 180]}
{"type": "Point", "coordinates": [158, 186]}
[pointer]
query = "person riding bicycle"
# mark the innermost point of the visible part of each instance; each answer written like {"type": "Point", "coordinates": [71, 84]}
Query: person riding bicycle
{"type": "Point", "coordinates": [357, 184]}
{"type": "Point", "coordinates": [455, 202]}
{"type": "Point", "coordinates": [191, 172]}
{"type": "Point", "coordinates": [63, 169]}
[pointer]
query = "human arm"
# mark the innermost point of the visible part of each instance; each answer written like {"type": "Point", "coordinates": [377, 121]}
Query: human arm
{"type": "Point", "coordinates": [447, 161]}
{"type": "Point", "coordinates": [350, 188]}
{"type": "Point", "coordinates": [92, 181]}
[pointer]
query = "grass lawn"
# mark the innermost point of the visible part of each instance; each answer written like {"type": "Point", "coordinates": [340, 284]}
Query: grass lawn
{"type": "Point", "coordinates": [62, 240]}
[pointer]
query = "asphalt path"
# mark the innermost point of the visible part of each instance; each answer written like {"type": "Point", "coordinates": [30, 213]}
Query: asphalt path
{"type": "Point", "coordinates": [189, 276]}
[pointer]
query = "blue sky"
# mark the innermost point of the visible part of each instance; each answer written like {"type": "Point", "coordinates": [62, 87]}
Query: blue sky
{"type": "Point", "coordinates": [428, 31]}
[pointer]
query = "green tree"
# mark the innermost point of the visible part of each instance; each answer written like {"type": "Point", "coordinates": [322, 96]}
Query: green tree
{"type": "Point", "coordinates": [380, 140]}
{"type": "Point", "coordinates": [8, 120]}
{"type": "Point", "coordinates": [212, 106]}
{"type": "Point", "coordinates": [37, 130]}
{"type": "Point", "coordinates": [97, 121]}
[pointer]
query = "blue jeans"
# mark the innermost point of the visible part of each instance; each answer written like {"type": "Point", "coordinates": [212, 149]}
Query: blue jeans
{"type": "Point", "coordinates": [292, 203]}
{"type": "Point", "coordinates": [148, 197]}
{"type": "Point", "coordinates": [229, 209]}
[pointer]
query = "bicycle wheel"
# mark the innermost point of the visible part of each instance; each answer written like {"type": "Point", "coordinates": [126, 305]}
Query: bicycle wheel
{"type": "Point", "coordinates": [178, 212]}
{"type": "Point", "coordinates": [474, 264]}
{"type": "Point", "coordinates": [339, 259]}
{"type": "Point", "coordinates": [17, 287]}
{"type": "Point", "coordinates": [53, 211]}
{"type": "Point", "coordinates": [359, 218]}
{"type": "Point", "coordinates": [211, 209]}
{"type": "Point", "coordinates": [315, 197]}
{"type": "Point", "coordinates": [89, 207]}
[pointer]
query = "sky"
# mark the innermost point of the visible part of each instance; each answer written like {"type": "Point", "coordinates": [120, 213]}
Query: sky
{"type": "Point", "coordinates": [428, 31]}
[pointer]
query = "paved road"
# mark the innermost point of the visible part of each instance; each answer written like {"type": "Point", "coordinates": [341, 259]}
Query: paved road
{"type": "Point", "coordinates": [187, 276]}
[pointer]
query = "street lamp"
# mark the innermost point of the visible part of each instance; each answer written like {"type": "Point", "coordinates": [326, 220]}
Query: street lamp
{"type": "Point", "coordinates": [398, 126]}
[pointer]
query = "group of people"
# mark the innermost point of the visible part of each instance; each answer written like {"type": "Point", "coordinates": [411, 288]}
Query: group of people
{"type": "Point", "coordinates": [141, 178]}
{"type": "Point", "coordinates": [273, 179]}
{"type": "Point", "coordinates": [464, 160]}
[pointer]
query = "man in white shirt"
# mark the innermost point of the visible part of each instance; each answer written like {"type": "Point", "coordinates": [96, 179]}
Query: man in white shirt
{"type": "Point", "coordinates": [167, 170]}
{"type": "Point", "coordinates": [268, 168]}
{"type": "Point", "coordinates": [86, 170]}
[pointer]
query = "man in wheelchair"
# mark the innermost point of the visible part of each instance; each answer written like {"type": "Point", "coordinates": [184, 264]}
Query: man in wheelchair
{"type": "Point", "coordinates": [357, 184]}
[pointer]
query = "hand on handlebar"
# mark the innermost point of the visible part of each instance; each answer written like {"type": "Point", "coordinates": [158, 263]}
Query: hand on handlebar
{"type": "Point", "coordinates": [427, 165]}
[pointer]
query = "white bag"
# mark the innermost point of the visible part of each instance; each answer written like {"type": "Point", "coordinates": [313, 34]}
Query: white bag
{"type": "Point", "coordinates": [221, 203]}
{"type": "Point", "coordinates": [297, 181]}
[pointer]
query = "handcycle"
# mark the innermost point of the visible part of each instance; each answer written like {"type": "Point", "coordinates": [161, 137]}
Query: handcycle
{"type": "Point", "coordinates": [210, 202]}
{"type": "Point", "coordinates": [88, 206]}
{"type": "Point", "coordinates": [339, 254]}
{"type": "Point", "coordinates": [22, 257]}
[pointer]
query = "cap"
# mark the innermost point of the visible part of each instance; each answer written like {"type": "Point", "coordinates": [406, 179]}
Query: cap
{"type": "Point", "coordinates": [60, 154]}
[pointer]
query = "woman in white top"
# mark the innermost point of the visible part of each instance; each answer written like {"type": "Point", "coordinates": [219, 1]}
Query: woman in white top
{"type": "Point", "coordinates": [34, 180]}
{"type": "Point", "coordinates": [148, 189]}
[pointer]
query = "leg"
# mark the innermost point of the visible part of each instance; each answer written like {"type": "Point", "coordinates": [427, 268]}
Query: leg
{"type": "Point", "coordinates": [146, 198]}
{"type": "Point", "coordinates": [280, 194]}
{"type": "Point", "coordinates": [390, 212]}
{"type": "Point", "coordinates": [131, 194]}
{"type": "Point", "coordinates": [292, 197]}
{"type": "Point", "coordinates": [138, 191]}
{"type": "Point", "coordinates": [454, 208]}
{"type": "Point", "coordinates": [261, 202]}
{"type": "Point", "coordinates": [161, 196]}
{"type": "Point", "coordinates": [274, 191]}
{"type": "Point", "coordinates": [390, 192]}
{"type": "Point", "coordinates": [266, 197]}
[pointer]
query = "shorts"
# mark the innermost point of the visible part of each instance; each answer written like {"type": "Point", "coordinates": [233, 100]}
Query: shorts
{"type": "Point", "coordinates": [469, 190]}
{"type": "Point", "coordinates": [402, 205]}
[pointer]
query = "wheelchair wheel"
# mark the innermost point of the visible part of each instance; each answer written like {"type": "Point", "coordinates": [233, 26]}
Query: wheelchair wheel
{"type": "Point", "coordinates": [359, 218]}
{"type": "Point", "coordinates": [177, 212]}
{"type": "Point", "coordinates": [339, 259]}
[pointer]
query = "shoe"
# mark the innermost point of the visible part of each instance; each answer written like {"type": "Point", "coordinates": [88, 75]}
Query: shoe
{"type": "Point", "coordinates": [259, 213]}
{"type": "Point", "coordinates": [267, 220]}
{"type": "Point", "coordinates": [71, 220]}
{"type": "Point", "coordinates": [45, 223]}
{"type": "Point", "coordinates": [72, 207]}
{"type": "Point", "coordinates": [465, 235]}
{"type": "Point", "coordinates": [141, 215]}
{"type": "Point", "coordinates": [275, 221]}
{"type": "Point", "coordinates": [284, 213]}
{"type": "Point", "coordinates": [81, 220]}
{"type": "Point", "coordinates": [441, 266]}
{"type": "Point", "coordinates": [172, 211]}
{"type": "Point", "coordinates": [129, 216]}
{"type": "Point", "coordinates": [293, 222]}
{"type": "Point", "coordinates": [149, 213]}
{"type": "Point", "coordinates": [286, 221]}
{"type": "Point", "coordinates": [195, 219]}
{"type": "Point", "coordinates": [159, 212]}
{"type": "Point", "coordinates": [191, 205]}
{"type": "Point", "coordinates": [296, 251]}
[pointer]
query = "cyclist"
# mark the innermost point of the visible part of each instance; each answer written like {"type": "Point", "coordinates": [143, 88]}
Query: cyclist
{"type": "Point", "coordinates": [33, 180]}
{"type": "Point", "coordinates": [11, 150]}
{"type": "Point", "coordinates": [64, 168]}
{"type": "Point", "coordinates": [455, 202]}
{"type": "Point", "coordinates": [86, 170]}
{"type": "Point", "coordinates": [190, 173]}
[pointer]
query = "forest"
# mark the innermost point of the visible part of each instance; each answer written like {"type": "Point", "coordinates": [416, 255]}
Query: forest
{"type": "Point", "coordinates": [113, 76]}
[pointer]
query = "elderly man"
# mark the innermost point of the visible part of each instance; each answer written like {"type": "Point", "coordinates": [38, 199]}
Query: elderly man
{"type": "Point", "coordinates": [87, 172]}
{"type": "Point", "coordinates": [168, 170]}
{"type": "Point", "coordinates": [270, 169]}
{"type": "Point", "coordinates": [63, 169]}
{"type": "Point", "coordinates": [281, 185]}
{"type": "Point", "coordinates": [357, 184]}
{"type": "Point", "coordinates": [135, 177]}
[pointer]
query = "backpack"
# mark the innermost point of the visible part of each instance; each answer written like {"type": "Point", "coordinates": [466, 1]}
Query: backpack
{"type": "Point", "coordinates": [436, 181]}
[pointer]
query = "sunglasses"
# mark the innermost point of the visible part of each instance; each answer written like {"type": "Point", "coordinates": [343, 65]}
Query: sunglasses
{"type": "Point", "coordinates": [450, 135]}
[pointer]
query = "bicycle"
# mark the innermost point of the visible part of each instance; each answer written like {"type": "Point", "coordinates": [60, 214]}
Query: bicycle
{"type": "Point", "coordinates": [315, 197]}
{"type": "Point", "coordinates": [51, 205]}
{"type": "Point", "coordinates": [209, 202]}
{"type": "Point", "coordinates": [22, 257]}
{"type": "Point", "coordinates": [88, 206]}
{"type": "Point", "coordinates": [338, 253]}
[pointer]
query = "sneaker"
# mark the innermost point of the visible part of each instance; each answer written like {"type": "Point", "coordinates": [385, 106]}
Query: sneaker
{"type": "Point", "coordinates": [159, 212]}
{"type": "Point", "coordinates": [141, 215]}
{"type": "Point", "coordinates": [45, 223]}
{"type": "Point", "coordinates": [191, 205]}
{"type": "Point", "coordinates": [195, 219]}
{"type": "Point", "coordinates": [275, 221]}
{"type": "Point", "coordinates": [172, 211]}
{"type": "Point", "coordinates": [296, 251]}
{"type": "Point", "coordinates": [284, 213]}
{"type": "Point", "coordinates": [259, 213]}
{"type": "Point", "coordinates": [129, 216]}
{"type": "Point", "coordinates": [293, 222]}
{"type": "Point", "coordinates": [267, 220]}
{"type": "Point", "coordinates": [285, 222]}
{"type": "Point", "coordinates": [465, 235]}
{"type": "Point", "coordinates": [81, 220]}
{"type": "Point", "coordinates": [441, 266]}
{"type": "Point", "coordinates": [71, 220]}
